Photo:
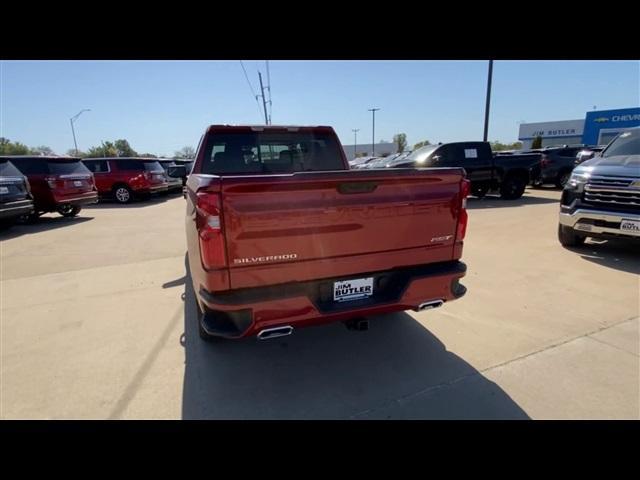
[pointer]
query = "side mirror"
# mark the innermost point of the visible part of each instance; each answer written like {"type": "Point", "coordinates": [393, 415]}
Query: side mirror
{"type": "Point", "coordinates": [177, 171]}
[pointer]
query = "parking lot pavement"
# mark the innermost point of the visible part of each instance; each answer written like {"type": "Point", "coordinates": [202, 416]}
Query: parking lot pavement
{"type": "Point", "coordinates": [98, 321]}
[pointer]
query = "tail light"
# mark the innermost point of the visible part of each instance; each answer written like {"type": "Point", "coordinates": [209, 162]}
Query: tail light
{"type": "Point", "coordinates": [463, 217]}
{"type": "Point", "coordinates": [544, 161]}
{"type": "Point", "coordinates": [209, 226]}
{"type": "Point", "coordinates": [51, 181]}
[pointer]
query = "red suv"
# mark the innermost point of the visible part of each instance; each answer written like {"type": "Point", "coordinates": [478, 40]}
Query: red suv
{"type": "Point", "coordinates": [126, 178]}
{"type": "Point", "coordinates": [58, 184]}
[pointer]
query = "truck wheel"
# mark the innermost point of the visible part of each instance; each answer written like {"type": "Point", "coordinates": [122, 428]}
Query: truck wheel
{"type": "Point", "coordinates": [5, 224]}
{"type": "Point", "coordinates": [562, 179]}
{"type": "Point", "coordinates": [32, 217]}
{"type": "Point", "coordinates": [568, 237]}
{"type": "Point", "coordinates": [122, 194]}
{"type": "Point", "coordinates": [479, 190]}
{"type": "Point", "coordinates": [512, 188]}
{"type": "Point", "coordinates": [69, 210]}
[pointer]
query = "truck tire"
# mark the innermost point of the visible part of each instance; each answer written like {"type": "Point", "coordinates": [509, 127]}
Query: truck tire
{"type": "Point", "coordinates": [512, 187]}
{"type": "Point", "coordinates": [562, 179]}
{"type": "Point", "coordinates": [69, 211]}
{"type": "Point", "coordinates": [122, 194]}
{"type": "Point", "coordinates": [6, 224]}
{"type": "Point", "coordinates": [32, 217]}
{"type": "Point", "coordinates": [479, 190]}
{"type": "Point", "coordinates": [568, 237]}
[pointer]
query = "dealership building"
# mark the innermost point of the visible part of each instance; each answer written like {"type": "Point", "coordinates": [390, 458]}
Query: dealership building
{"type": "Point", "coordinates": [597, 128]}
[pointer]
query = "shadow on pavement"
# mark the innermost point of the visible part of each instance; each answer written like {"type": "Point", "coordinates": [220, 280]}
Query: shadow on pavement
{"type": "Point", "coordinates": [620, 254]}
{"type": "Point", "coordinates": [494, 201]}
{"type": "Point", "coordinates": [329, 372]}
{"type": "Point", "coordinates": [42, 224]}
{"type": "Point", "coordinates": [107, 202]}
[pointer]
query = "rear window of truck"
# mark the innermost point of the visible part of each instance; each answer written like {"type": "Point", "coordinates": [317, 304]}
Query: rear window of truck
{"type": "Point", "coordinates": [271, 152]}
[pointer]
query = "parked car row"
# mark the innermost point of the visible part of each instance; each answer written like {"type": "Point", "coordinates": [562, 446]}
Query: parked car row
{"type": "Point", "coordinates": [507, 171]}
{"type": "Point", "coordinates": [33, 185]}
{"type": "Point", "coordinates": [486, 170]}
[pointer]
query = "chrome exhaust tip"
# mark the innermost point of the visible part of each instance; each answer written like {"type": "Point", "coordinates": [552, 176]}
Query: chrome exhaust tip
{"type": "Point", "coordinates": [429, 305]}
{"type": "Point", "coordinates": [269, 333]}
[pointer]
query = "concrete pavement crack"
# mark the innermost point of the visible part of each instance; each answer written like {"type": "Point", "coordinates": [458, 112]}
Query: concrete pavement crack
{"type": "Point", "coordinates": [612, 346]}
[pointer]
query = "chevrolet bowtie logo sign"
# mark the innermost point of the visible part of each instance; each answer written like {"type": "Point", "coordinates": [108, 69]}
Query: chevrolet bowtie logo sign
{"type": "Point", "coordinates": [635, 184]}
{"type": "Point", "coordinates": [601, 120]}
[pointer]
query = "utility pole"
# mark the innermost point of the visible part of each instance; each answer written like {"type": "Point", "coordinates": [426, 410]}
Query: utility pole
{"type": "Point", "coordinates": [264, 103]}
{"type": "Point", "coordinates": [73, 131]}
{"type": "Point", "coordinates": [486, 108]}
{"type": "Point", "coordinates": [373, 133]}
{"type": "Point", "coordinates": [355, 141]}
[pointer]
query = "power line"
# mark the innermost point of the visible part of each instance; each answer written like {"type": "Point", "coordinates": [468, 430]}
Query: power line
{"type": "Point", "coordinates": [269, 89]}
{"type": "Point", "coordinates": [253, 93]}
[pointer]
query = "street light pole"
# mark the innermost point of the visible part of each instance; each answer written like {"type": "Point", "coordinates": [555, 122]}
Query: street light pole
{"type": "Point", "coordinates": [73, 131]}
{"type": "Point", "coordinates": [486, 108]}
{"type": "Point", "coordinates": [355, 141]}
{"type": "Point", "coordinates": [373, 132]}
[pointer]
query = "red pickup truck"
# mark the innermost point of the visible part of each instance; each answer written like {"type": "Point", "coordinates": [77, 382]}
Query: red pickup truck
{"type": "Point", "coordinates": [281, 234]}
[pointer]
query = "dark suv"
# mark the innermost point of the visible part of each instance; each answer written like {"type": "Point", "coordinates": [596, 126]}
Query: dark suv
{"type": "Point", "coordinates": [556, 164]}
{"type": "Point", "coordinates": [15, 194]}
{"type": "Point", "coordinates": [58, 184]}
{"type": "Point", "coordinates": [126, 178]}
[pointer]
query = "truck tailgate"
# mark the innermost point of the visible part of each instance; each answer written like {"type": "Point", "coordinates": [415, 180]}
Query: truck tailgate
{"type": "Point", "coordinates": [309, 225]}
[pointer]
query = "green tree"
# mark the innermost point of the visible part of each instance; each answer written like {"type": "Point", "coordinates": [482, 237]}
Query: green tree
{"type": "Point", "coordinates": [106, 149]}
{"type": "Point", "coordinates": [41, 150]}
{"type": "Point", "coordinates": [498, 146]}
{"type": "Point", "coordinates": [400, 139]}
{"type": "Point", "coordinates": [7, 147]}
{"type": "Point", "coordinates": [185, 153]}
{"type": "Point", "coordinates": [72, 153]}
{"type": "Point", "coordinates": [421, 144]}
{"type": "Point", "coordinates": [148, 155]}
{"type": "Point", "coordinates": [537, 142]}
{"type": "Point", "coordinates": [124, 149]}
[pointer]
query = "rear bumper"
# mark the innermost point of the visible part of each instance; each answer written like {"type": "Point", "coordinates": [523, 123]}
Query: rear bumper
{"type": "Point", "coordinates": [15, 209]}
{"type": "Point", "coordinates": [599, 223]}
{"type": "Point", "coordinates": [77, 200]}
{"type": "Point", "coordinates": [158, 188]}
{"type": "Point", "coordinates": [245, 312]}
{"type": "Point", "coordinates": [175, 186]}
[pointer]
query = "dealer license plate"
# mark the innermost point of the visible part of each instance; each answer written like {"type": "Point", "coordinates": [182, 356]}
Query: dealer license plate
{"type": "Point", "coordinates": [355, 289]}
{"type": "Point", "coordinates": [630, 226]}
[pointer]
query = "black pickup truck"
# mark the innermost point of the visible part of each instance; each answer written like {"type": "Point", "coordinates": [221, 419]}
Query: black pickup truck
{"type": "Point", "coordinates": [509, 173]}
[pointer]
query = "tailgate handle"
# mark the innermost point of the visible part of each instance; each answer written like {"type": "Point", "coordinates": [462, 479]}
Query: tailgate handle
{"type": "Point", "coordinates": [357, 187]}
